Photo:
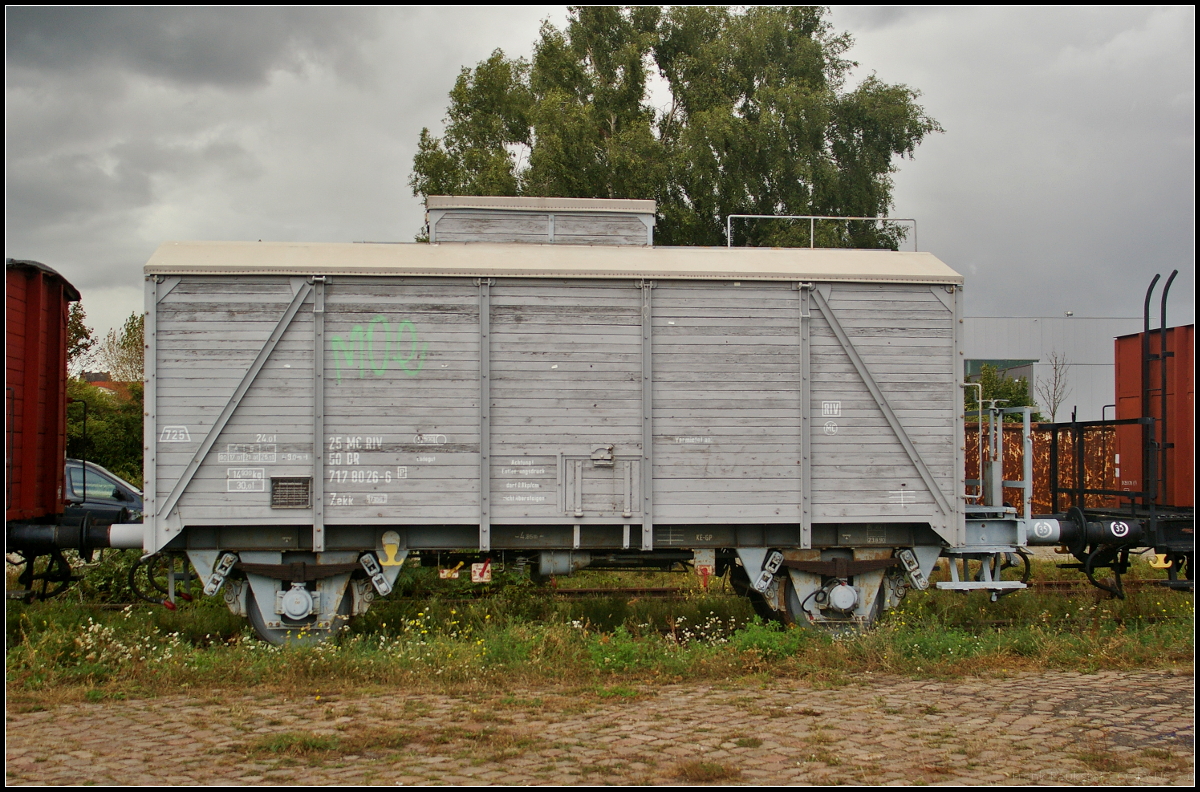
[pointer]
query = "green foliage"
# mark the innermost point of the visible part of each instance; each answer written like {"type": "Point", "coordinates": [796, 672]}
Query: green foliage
{"type": "Point", "coordinates": [445, 606]}
{"type": "Point", "coordinates": [592, 135]}
{"type": "Point", "coordinates": [1014, 390]}
{"type": "Point", "coordinates": [114, 428]}
{"type": "Point", "coordinates": [759, 123]}
{"type": "Point", "coordinates": [114, 418]}
{"type": "Point", "coordinates": [80, 339]}
{"type": "Point", "coordinates": [106, 578]}
{"type": "Point", "coordinates": [770, 640]}
{"type": "Point", "coordinates": [122, 352]}
{"type": "Point", "coordinates": [293, 744]}
{"type": "Point", "coordinates": [620, 651]}
{"type": "Point", "coordinates": [489, 108]}
{"type": "Point", "coordinates": [142, 650]}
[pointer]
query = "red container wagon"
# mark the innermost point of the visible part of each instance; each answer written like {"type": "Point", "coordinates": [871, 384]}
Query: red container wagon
{"type": "Point", "coordinates": [37, 303]}
{"type": "Point", "coordinates": [36, 525]}
{"type": "Point", "coordinates": [1139, 393]}
{"type": "Point", "coordinates": [1149, 500]}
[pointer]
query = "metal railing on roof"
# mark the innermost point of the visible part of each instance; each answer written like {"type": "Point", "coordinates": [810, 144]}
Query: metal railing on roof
{"type": "Point", "coordinates": [812, 224]}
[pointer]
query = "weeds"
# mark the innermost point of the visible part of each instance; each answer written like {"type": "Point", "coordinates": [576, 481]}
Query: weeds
{"type": "Point", "coordinates": [495, 744]}
{"type": "Point", "coordinates": [1164, 760]}
{"type": "Point", "coordinates": [302, 744]}
{"type": "Point", "coordinates": [377, 739]}
{"type": "Point", "coordinates": [610, 647]}
{"type": "Point", "coordinates": [617, 691]}
{"type": "Point", "coordinates": [700, 772]}
{"type": "Point", "coordinates": [1098, 754]}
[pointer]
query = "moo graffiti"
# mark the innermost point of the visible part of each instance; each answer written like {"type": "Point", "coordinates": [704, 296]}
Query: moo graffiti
{"type": "Point", "coordinates": [377, 347]}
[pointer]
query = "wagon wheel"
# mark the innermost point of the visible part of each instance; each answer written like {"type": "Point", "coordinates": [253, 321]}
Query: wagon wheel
{"type": "Point", "coordinates": [740, 581]}
{"type": "Point", "coordinates": [796, 614]}
{"type": "Point", "coordinates": [56, 578]}
{"type": "Point", "coordinates": [297, 635]}
{"type": "Point", "coordinates": [148, 578]}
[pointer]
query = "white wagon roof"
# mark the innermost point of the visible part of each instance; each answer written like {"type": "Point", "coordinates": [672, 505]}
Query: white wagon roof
{"type": "Point", "coordinates": [471, 259]}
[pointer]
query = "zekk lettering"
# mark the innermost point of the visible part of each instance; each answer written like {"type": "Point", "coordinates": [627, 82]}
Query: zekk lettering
{"type": "Point", "coordinates": [378, 347]}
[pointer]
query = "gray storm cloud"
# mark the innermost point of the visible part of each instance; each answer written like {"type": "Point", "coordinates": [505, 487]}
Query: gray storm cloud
{"type": "Point", "coordinates": [1064, 180]}
{"type": "Point", "coordinates": [233, 47]}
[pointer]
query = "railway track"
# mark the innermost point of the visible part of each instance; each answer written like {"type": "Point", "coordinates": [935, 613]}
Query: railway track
{"type": "Point", "coordinates": [680, 593]}
{"type": "Point", "coordinates": [670, 592]}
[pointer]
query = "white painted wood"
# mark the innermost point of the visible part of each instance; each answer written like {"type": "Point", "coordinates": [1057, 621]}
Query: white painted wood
{"type": "Point", "coordinates": [478, 224]}
{"type": "Point", "coordinates": [716, 436]}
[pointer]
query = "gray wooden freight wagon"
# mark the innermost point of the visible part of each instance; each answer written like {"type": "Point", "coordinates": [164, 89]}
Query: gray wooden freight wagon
{"type": "Point", "coordinates": [316, 412]}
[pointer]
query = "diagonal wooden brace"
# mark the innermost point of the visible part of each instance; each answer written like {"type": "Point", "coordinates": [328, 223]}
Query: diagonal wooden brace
{"type": "Point", "coordinates": [230, 406]}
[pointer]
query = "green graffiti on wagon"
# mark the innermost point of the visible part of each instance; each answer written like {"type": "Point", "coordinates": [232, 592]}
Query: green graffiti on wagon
{"type": "Point", "coordinates": [378, 347]}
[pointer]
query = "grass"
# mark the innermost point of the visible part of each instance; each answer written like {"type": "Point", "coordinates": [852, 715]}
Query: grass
{"type": "Point", "coordinates": [824, 757]}
{"type": "Point", "coordinates": [700, 772]}
{"type": "Point", "coordinates": [1097, 754]}
{"type": "Point", "coordinates": [1164, 760]}
{"type": "Point", "coordinates": [486, 743]}
{"type": "Point", "coordinates": [605, 647]}
{"type": "Point", "coordinates": [302, 744]}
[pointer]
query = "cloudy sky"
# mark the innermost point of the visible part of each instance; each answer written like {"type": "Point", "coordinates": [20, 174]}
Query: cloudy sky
{"type": "Point", "coordinates": [1065, 178]}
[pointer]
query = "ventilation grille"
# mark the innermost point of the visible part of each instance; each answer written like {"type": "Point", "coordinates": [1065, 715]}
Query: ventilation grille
{"type": "Point", "coordinates": [291, 493]}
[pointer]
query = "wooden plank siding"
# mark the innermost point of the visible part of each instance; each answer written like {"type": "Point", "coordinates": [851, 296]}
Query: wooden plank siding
{"type": "Point", "coordinates": [416, 393]}
{"type": "Point", "coordinates": [904, 335]}
{"type": "Point", "coordinates": [726, 453]}
{"type": "Point", "coordinates": [559, 228]}
{"type": "Point", "coordinates": [402, 410]}
{"type": "Point", "coordinates": [551, 406]}
{"type": "Point", "coordinates": [207, 335]}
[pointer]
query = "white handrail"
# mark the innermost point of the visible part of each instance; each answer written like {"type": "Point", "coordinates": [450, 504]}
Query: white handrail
{"type": "Point", "coordinates": [812, 222]}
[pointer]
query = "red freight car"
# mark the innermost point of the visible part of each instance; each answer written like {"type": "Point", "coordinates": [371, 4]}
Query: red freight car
{"type": "Point", "coordinates": [36, 389]}
{"type": "Point", "coordinates": [1153, 461]}
{"type": "Point", "coordinates": [1140, 393]}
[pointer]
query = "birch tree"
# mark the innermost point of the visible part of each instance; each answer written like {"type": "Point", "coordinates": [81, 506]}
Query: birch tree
{"type": "Point", "coordinates": [1052, 391]}
{"type": "Point", "coordinates": [759, 120]}
{"type": "Point", "coordinates": [122, 352]}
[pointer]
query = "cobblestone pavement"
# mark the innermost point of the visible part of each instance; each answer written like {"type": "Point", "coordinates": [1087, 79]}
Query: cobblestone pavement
{"type": "Point", "coordinates": [1057, 728]}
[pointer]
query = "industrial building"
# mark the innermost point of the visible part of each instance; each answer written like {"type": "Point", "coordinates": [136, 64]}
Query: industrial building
{"type": "Point", "coordinates": [1025, 346]}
